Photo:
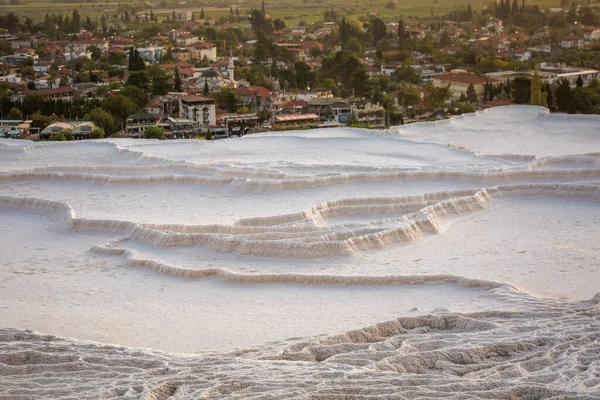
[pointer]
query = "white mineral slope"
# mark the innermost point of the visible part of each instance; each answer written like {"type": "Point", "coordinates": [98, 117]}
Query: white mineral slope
{"type": "Point", "coordinates": [482, 265]}
{"type": "Point", "coordinates": [550, 352]}
{"type": "Point", "coordinates": [511, 130]}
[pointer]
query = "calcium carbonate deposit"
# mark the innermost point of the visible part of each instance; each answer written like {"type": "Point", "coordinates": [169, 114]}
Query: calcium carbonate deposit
{"type": "Point", "coordinates": [454, 259]}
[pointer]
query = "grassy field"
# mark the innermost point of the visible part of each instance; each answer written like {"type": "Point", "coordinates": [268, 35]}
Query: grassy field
{"type": "Point", "coordinates": [293, 11]}
{"type": "Point", "coordinates": [36, 9]}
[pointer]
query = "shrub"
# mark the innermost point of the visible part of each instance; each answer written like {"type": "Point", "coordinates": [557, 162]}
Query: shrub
{"type": "Point", "coordinates": [154, 132]}
{"type": "Point", "coordinates": [58, 137]}
{"type": "Point", "coordinates": [97, 133]}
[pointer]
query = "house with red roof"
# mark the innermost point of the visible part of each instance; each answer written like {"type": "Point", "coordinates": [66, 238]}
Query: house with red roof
{"type": "Point", "coordinates": [255, 97]}
{"type": "Point", "coordinates": [459, 83]}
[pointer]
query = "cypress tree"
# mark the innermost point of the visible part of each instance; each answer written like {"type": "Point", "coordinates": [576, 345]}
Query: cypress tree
{"type": "Point", "coordinates": [515, 8]}
{"type": "Point", "coordinates": [535, 97]}
{"type": "Point", "coordinates": [131, 60]}
{"type": "Point", "coordinates": [549, 97]}
{"type": "Point", "coordinates": [177, 81]}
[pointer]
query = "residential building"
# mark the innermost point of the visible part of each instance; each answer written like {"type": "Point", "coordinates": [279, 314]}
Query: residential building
{"type": "Point", "coordinates": [590, 33]}
{"type": "Point", "coordinates": [62, 93]}
{"type": "Point", "coordinates": [415, 32]}
{"type": "Point", "coordinates": [186, 39]}
{"type": "Point", "coordinates": [184, 16]}
{"type": "Point", "coordinates": [570, 41]}
{"type": "Point", "coordinates": [168, 106]}
{"type": "Point", "coordinates": [256, 98]}
{"type": "Point", "coordinates": [136, 123]}
{"type": "Point", "coordinates": [199, 50]}
{"type": "Point", "coordinates": [495, 25]}
{"type": "Point", "coordinates": [521, 54]}
{"type": "Point", "coordinates": [555, 72]}
{"type": "Point", "coordinates": [152, 54]}
{"type": "Point", "coordinates": [459, 83]}
{"type": "Point", "coordinates": [198, 109]}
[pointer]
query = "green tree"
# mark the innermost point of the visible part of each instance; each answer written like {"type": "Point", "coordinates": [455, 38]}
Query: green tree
{"type": "Point", "coordinates": [138, 95]}
{"type": "Point", "coordinates": [15, 114]}
{"type": "Point", "coordinates": [411, 96]}
{"type": "Point", "coordinates": [304, 75]}
{"type": "Point", "coordinates": [279, 24]}
{"type": "Point", "coordinates": [572, 15]}
{"type": "Point", "coordinates": [579, 82]}
{"type": "Point", "coordinates": [549, 97]}
{"type": "Point", "coordinates": [160, 80]}
{"type": "Point", "coordinates": [344, 32]}
{"type": "Point", "coordinates": [141, 79]}
{"type": "Point", "coordinates": [437, 96]}
{"type": "Point", "coordinates": [471, 94]}
{"type": "Point", "coordinates": [378, 29]}
{"type": "Point", "coordinates": [521, 88]}
{"type": "Point", "coordinates": [354, 45]}
{"type": "Point", "coordinates": [75, 21]}
{"type": "Point", "coordinates": [177, 85]}
{"type": "Point", "coordinates": [564, 96]}
{"type": "Point", "coordinates": [96, 52]}
{"type": "Point", "coordinates": [120, 107]}
{"type": "Point", "coordinates": [154, 132]}
{"type": "Point", "coordinates": [102, 119]}
{"type": "Point", "coordinates": [536, 90]}
{"type": "Point", "coordinates": [445, 40]}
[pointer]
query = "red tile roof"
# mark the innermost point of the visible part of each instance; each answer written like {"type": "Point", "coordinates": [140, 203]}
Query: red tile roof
{"type": "Point", "coordinates": [294, 104]}
{"type": "Point", "coordinates": [250, 91]}
{"type": "Point", "coordinates": [193, 98]}
{"type": "Point", "coordinates": [47, 92]}
{"type": "Point", "coordinates": [202, 45]}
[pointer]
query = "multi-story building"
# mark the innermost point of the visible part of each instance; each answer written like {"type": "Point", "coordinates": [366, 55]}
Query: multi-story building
{"type": "Point", "coordinates": [555, 72]}
{"type": "Point", "coordinates": [199, 50]}
{"type": "Point", "coordinates": [199, 110]}
{"type": "Point", "coordinates": [186, 39]}
{"type": "Point", "coordinates": [184, 16]}
{"type": "Point", "coordinates": [168, 105]}
{"type": "Point", "coordinates": [570, 41]}
{"type": "Point", "coordinates": [459, 83]}
{"type": "Point", "coordinates": [136, 123]}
